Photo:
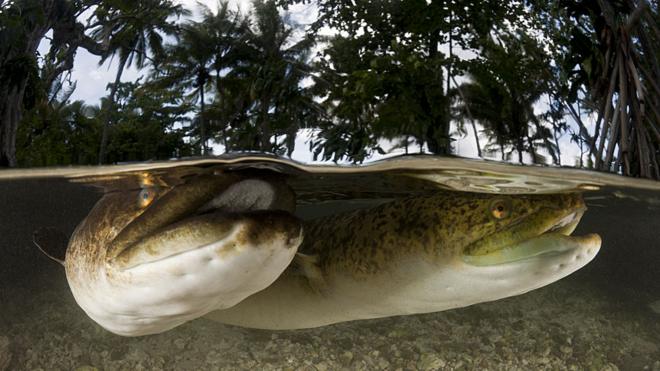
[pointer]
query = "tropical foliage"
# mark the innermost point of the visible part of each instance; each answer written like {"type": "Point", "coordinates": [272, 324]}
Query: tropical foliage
{"type": "Point", "coordinates": [131, 30]}
{"type": "Point", "coordinates": [501, 94]}
{"type": "Point", "coordinates": [529, 81]}
{"type": "Point", "coordinates": [146, 126]}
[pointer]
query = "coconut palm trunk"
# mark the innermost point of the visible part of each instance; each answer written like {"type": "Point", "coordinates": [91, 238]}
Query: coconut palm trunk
{"type": "Point", "coordinates": [202, 123]}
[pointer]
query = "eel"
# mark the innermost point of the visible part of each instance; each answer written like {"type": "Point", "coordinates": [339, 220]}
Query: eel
{"type": "Point", "coordinates": [421, 254]}
{"type": "Point", "coordinates": [145, 261]}
{"type": "Point", "coordinates": [230, 249]}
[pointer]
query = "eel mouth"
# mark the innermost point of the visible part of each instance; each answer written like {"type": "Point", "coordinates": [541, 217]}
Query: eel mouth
{"type": "Point", "coordinates": [237, 213]}
{"type": "Point", "coordinates": [225, 233]}
{"type": "Point", "coordinates": [548, 233]}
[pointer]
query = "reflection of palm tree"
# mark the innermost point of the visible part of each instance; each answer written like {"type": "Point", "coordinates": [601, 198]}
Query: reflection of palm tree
{"type": "Point", "coordinates": [130, 29]}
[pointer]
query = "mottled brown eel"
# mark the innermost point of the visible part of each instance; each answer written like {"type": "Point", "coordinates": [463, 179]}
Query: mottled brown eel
{"type": "Point", "coordinates": [230, 249]}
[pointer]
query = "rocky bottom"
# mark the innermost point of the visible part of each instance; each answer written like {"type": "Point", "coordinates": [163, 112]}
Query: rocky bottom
{"type": "Point", "coordinates": [572, 324]}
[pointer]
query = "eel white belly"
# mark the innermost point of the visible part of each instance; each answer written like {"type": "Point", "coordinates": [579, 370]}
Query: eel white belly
{"type": "Point", "coordinates": [409, 286]}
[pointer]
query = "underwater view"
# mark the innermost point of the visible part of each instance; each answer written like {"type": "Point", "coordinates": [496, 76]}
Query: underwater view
{"type": "Point", "coordinates": [408, 263]}
{"type": "Point", "coordinates": [329, 185]}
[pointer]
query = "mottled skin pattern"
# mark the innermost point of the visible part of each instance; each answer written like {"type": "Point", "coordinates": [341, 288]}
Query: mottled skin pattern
{"type": "Point", "coordinates": [416, 255]}
{"type": "Point", "coordinates": [118, 220]}
{"type": "Point", "coordinates": [98, 238]}
{"type": "Point", "coordinates": [439, 226]}
{"type": "Point", "coordinates": [108, 217]}
{"type": "Point", "coordinates": [131, 267]}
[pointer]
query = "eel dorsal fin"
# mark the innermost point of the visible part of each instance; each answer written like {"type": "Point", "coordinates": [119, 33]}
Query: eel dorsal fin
{"type": "Point", "coordinates": [308, 266]}
{"type": "Point", "coordinates": [52, 242]}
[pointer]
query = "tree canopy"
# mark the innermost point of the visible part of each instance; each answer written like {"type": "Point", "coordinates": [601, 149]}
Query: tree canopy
{"type": "Point", "coordinates": [522, 77]}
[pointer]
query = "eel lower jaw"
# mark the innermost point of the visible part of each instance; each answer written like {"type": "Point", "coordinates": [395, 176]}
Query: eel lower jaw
{"type": "Point", "coordinates": [568, 223]}
{"type": "Point", "coordinates": [555, 240]}
{"type": "Point", "coordinates": [546, 244]}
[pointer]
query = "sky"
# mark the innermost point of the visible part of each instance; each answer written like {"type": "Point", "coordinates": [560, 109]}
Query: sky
{"type": "Point", "coordinates": [92, 80]}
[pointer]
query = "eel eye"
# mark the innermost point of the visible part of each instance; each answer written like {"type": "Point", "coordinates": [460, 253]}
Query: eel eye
{"type": "Point", "coordinates": [500, 209]}
{"type": "Point", "coordinates": [146, 197]}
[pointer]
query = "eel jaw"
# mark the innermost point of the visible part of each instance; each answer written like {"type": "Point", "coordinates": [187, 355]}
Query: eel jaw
{"type": "Point", "coordinates": [191, 263]}
{"type": "Point", "coordinates": [146, 294]}
{"type": "Point", "coordinates": [211, 223]}
{"type": "Point", "coordinates": [553, 240]}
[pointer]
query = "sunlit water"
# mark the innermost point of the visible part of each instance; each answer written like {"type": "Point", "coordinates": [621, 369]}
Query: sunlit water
{"type": "Point", "coordinates": [605, 316]}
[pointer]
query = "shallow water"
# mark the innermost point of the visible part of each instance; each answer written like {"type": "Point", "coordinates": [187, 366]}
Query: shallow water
{"type": "Point", "coordinates": [604, 316]}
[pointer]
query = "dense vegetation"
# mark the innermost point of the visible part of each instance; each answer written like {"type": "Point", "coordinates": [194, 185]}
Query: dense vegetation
{"type": "Point", "coordinates": [518, 75]}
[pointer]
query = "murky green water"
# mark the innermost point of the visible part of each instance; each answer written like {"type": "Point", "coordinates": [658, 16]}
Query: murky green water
{"type": "Point", "coordinates": [604, 316]}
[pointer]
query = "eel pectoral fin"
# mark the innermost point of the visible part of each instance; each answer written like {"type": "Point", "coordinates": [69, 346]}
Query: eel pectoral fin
{"type": "Point", "coordinates": [310, 268]}
{"type": "Point", "coordinates": [52, 242]}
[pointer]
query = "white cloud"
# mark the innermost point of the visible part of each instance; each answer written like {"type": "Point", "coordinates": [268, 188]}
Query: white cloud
{"type": "Point", "coordinates": [92, 78]}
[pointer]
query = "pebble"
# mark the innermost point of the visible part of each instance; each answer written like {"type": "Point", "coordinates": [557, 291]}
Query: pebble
{"type": "Point", "coordinates": [431, 362]}
{"type": "Point", "coordinates": [347, 357]}
{"type": "Point", "coordinates": [565, 349]}
{"type": "Point", "coordinates": [546, 351]}
{"type": "Point", "coordinates": [76, 352]}
{"type": "Point", "coordinates": [322, 367]}
{"type": "Point", "coordinates": [383, 364]}
{"type": "Point", "coordinates": [180, 343]}
{"type": "Point", "coordinates": [213, 357]}
{"type": "Point", "coordinates": [86, 368]}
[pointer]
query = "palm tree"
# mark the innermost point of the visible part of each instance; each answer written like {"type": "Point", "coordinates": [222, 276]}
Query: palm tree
{"type": "Point", "coordinates": [187, 67]}
{"type": "Point", "coordinates": [200, 58]}
{"type": "Point", "coordinates": [229, 31]}
{"type": "Point", "coordinates": [502, 92]}
{"type": "Point", "coordinates": [230, 34]}
{"type": "Point", "coordinates": [132, 29]}
{"type": "Point", "coordinates": [484, 98]}
{"type": "Point", "coordinates": [280, 105]}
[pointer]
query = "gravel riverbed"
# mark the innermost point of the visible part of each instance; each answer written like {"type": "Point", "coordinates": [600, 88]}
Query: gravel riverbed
{"type": "Point", "coordinates": [573, 324]}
